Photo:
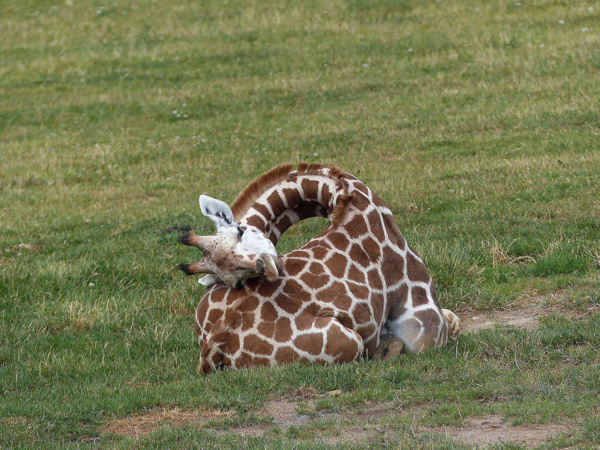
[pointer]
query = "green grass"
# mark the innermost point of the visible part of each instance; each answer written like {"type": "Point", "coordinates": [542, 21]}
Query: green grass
{"type": "Point", "coordinates": [477, 122]}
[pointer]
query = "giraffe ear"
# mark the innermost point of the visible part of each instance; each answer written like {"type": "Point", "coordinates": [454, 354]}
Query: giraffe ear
{"type": "Point", "coordinates": [217, 211]}
{"type": "Point", "coordinates": [270, 266]}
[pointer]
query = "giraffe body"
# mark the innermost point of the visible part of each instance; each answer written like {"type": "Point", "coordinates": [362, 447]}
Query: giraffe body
{"type": "Point", "coordinates": [334, 297]}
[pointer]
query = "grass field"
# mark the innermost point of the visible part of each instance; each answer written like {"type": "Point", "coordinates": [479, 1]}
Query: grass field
{"type": "Point", "coordinates": [477, 122]}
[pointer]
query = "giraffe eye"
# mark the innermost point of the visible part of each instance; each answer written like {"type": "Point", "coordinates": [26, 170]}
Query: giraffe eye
{"type": "Point", "coordinates": [240, 232]}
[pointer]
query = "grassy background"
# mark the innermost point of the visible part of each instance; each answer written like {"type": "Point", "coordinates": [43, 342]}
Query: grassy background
{"type": "Point", "coordinates": [477, 122]}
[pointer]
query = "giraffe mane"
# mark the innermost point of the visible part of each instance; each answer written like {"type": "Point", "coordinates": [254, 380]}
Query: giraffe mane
{"type": "Point", "coordinates": [283, 172]}
{"type": "Point", "coordinates": [257, 187]}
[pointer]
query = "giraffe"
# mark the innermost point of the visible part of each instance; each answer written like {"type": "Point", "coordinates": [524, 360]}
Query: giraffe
{"type": "Point", "coordinates": [354, 290]}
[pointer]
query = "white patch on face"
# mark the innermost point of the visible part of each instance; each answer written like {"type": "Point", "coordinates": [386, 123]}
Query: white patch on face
{"type": "Point", "coordinates": [254, 242]}
{"type": "Point", "coordinates": [209, 280]}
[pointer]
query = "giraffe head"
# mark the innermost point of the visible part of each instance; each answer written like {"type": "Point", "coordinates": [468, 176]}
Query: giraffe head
{"type": "Point", "coordinates": [232, 255]}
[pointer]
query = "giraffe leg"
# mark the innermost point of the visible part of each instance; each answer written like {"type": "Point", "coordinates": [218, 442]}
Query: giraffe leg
{"type": "Point", "coordinates": [389, 347]}
{"type": "Point", "coordinates": [342, 343]}
{"type": "Point", "coordinates": [421, 329]}
{"type": "Point", "coordinates": [453, 323]}
{"type": "Point", "coordinates": [326, 342]}
{"type": "Point", "coordinates": [215, 349]}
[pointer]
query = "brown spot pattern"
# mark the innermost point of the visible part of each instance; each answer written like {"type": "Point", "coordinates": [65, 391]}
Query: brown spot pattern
{"type": "Point", "coordinates": [267, 329]}
{"type": "Point", "coordinates": [257, 345]}
{"type": "Point", "coordinates": [276, 203]}
{"type": "Point", "coordinates": [371, 248]}
{"type": "Point", "coordinates": [360, 202]}
{"type": "Point", "coordinates": [393, 266]}
{"type": "Point", "coordinates": [376, 227]}
{"type": "Point", "coordinates": [355, 302]}
{"type": "Point", "coordinates": [310, 188]}
{"type": "Point", "coordinates": [310, 343]}
{"type": "Point", "coordinates": [314, 281]}
{"type": "Point", "coordinates": [357, 226]}
{"type": "Point", "coordinates": [294, 266]}
{"type": "Point", "coordinates": [362, 188]}
{"type": "Point", "coordinates": [268, 313]}
{"type": "Point", "coordinates": [326, 195]}
{"type": "Point", "coordinates": [398, 302]}
{"type": "Point", "coordinates": [338, 240]}
{"type": "Point", "coordinates": [283, 330]}
{"type": "Point", "coordinates": [288, 304]}
{"type": "Point", "coordinates": [296, 292]}
{"type": "Point", "coordinates": [286, 355]}
{"type": "Point", "coordinates": [244, 360]}
{"type": "Point", "coordinates": [320, 253]}
{"type": "Point", "coordinates": [256, 221]}
{"type": "Point", "coordinates": [304, 321]}
{"type": "Point", "coordinates": [419, 296]}
{"type": "Point", "coordinates": [233, 343]}
{"type": "Point", "coordinates": [283, 224]}
{"type": "Point", "coordinates": [358, 291]}
{"type": "Point", "coordinates": [356, 274]}
{"type": "Point", "coordinates": [292, 197]}
{"type": "Point", "coordinates": [262, 209]}
{"type": "Point", "coordinates": [339, 345]}
{"type": "Point", "coordinates": [332, 292]}
{"type": "Point", "coordinates": [337, 264]}
{"type": "Point", "coordinates": [266, 289]}
{"type": "Point", "coordinates": [358, 255]}
{"type": "Point", "coordinates": [374, 279]}
{"type": "Point", "coordinates": [342, 302]}
{"type": "Point", "coordinates": [416, 270]}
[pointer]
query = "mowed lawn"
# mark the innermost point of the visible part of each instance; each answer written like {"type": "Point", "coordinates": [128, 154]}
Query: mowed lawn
{"type": "Point", "coordinates": [476, 121]}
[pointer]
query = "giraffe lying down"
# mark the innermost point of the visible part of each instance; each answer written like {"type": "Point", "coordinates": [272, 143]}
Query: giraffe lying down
{"type": "Point", "coordinates": [357, 289]}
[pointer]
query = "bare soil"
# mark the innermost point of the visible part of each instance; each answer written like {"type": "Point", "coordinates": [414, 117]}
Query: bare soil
{"type": "Point", "coordinates": [525, 316]}
{"type": "Point", "coordinates": [354, 427]}
{"type": "Point", "coordinates": [492, 430]}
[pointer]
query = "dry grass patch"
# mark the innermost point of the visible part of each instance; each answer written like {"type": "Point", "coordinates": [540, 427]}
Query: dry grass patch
{"type": "Point", "coordinates": [143, 424]}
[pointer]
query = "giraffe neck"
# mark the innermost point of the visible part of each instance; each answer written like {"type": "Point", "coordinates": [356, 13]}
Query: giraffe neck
{"type": "Point", "coordinates": [291, 196]}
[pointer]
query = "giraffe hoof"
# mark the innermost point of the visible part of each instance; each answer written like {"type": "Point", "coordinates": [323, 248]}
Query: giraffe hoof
{"type": "Point", "coordinates": [389, 347]}
{"type": "Point", "coordinates": [395, 348]}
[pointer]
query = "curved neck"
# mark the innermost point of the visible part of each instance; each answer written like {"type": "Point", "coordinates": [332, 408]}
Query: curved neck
{"type": "Point", "coordinates": [299, 197]}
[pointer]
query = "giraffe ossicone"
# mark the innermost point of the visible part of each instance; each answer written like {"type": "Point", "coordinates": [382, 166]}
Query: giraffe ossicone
{"type": "Point", "coordinates": [356, 289]}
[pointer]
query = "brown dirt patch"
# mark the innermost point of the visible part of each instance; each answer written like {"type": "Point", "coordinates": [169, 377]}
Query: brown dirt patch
{"type": "Point", "coordinates": [353, 427]}
{"type": "Point", "coordinates": [525, 317]}
{"type": "Point", "coordinates": [284, 413]}
{"type": "Point", "coordinates": [493, 430]}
